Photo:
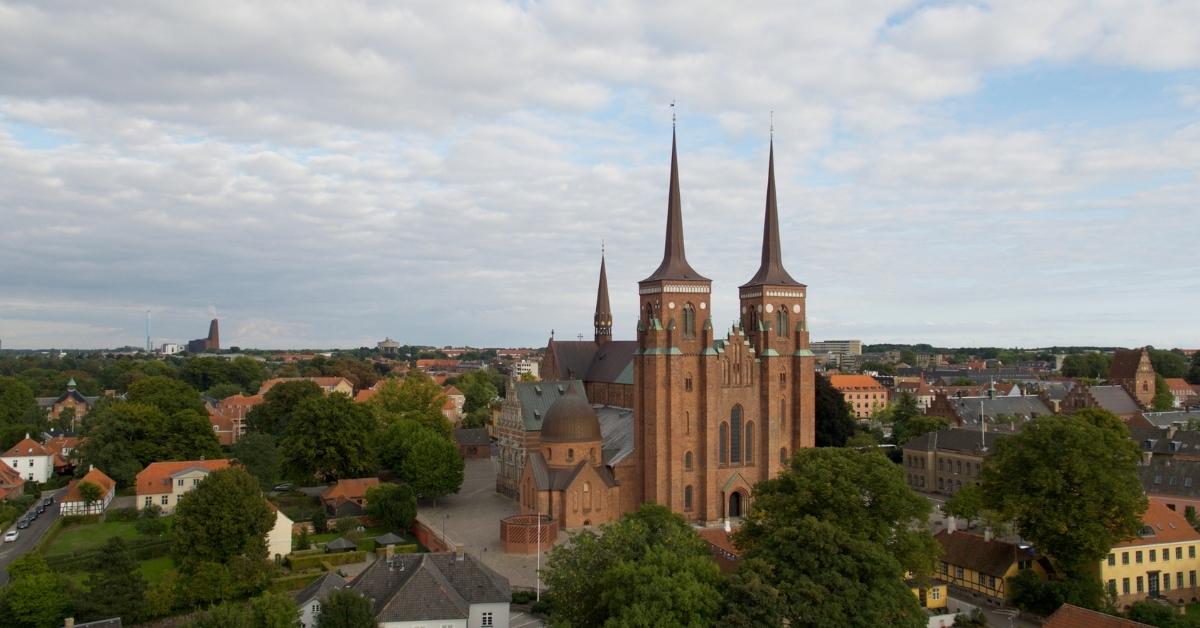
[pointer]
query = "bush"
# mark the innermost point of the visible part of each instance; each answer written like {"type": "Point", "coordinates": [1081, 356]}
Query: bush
{"type": "Point", "coordinates": [320, 522]}
{"type": "Point", "coordinates": [150, 522]}
{"type": "Point", "coordinates": [323, 560]}
{"type": "Point", "coordinates": [301, 542]}
{"type": "Point", "coordinates": [71, 520]}
{"type": "Point", "coordinates": [523, 597]}
{"type": "Point", "coordinates": [294, 582]}
{"type": "Point", "coordinates": [346, 524]}
{"type": "Point", "coordinates": [123, 514]}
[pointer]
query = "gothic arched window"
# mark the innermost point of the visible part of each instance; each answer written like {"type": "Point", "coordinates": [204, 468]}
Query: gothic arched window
{"type": "Point", "coordinates": [687, 461]}
{"type": "Point", "coordinates": [735, 440]}
{"type": "Point", "coordinates": [781, 321]}
{"type": "Point", "coordinates": [687, 498]}
{"type": "Point", "coordinates": [723, 443]}
{"type": "Point", "coordinates": [689, 320]}
{"type": "Point", "coordinates": [749, 442]}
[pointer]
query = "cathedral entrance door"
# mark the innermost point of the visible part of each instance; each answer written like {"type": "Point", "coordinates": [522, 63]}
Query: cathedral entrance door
{"type": "Point", "coordinates": [735, 504]}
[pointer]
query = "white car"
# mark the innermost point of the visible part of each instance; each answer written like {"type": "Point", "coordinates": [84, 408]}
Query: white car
{"type": "Point", "coordinates": [11, 536]}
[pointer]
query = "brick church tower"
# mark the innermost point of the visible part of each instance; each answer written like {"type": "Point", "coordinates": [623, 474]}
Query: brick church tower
{"type": "Point", "coordinates": [713, 417]}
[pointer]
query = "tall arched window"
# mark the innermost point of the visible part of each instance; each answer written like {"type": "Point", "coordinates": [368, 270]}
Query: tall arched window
{"type": "Point", "coordinates": [735, 440]}
{"type": "Point", "coordinates": [587, 495]}
{"type": "Point", "coordinates": [723, 443]}
{"type": "Point", "coordinates": [649, 313]}
{"type": "Point", "coordinates": [689, 320]}
{"type": "Point", "coordinates": [570, 455]}
{"type": "Point", "coordinates": [687, 461]}
{"type": "Point", "coordinates": [781, 321]}
{"type": "Point", "coordinates": [687, 498]}
{"type": "Point", "coordinates": [749, 442]}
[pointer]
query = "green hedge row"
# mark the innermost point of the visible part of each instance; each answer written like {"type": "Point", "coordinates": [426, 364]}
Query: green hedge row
{"type": "Point", "coordinates": [294, 582]}
{"type": "Point", "coordinates": [302, 563]}
{"type": "Point", "coordinates": [81, 561]}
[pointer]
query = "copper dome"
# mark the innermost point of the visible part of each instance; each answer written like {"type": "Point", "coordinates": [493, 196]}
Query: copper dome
{"type": "Point", "coordinates": [571, 419]}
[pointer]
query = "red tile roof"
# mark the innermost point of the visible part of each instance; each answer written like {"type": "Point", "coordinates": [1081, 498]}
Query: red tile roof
{"type": "Point", "coordinates": [27, 447]}
{"type": "Point", "coordinates": [355, 488]}
{"type": "Point", "coordinates": [156, 477]}
{"type": "Point", "coordinates": [95, 476]}
{"type": "Point", "coordinates": [1168, 526]}
{"type": "Point", "coordinates": [1070, 616]}
{"type": "Point", "coordinates": [720, 538]}
{"type": "Point", "coordinates": [855, 382]}
{"type": "Point", "coordinates": [10, 477]}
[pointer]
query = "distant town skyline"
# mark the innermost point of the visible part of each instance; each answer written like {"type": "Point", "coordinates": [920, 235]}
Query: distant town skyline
{"type": "Point", "coordinates": [957, 174]}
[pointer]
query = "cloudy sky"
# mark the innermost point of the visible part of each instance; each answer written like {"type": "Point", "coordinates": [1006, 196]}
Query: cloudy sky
{"type": "Point", "coordinates": [327, 173]}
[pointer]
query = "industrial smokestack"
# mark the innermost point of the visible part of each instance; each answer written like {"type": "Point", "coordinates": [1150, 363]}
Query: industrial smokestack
{"type": "Point", "coordinates": [214, 336]}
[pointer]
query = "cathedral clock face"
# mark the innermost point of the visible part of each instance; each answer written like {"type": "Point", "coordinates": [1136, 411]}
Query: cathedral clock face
{"type": "Point", "coordinates": [796, 308]}
{"type": "Point", "coordinates": [703, 305]}
{"type": "Point", "coordinates": [671, 305]}
{"type": "Point", "coordinates": [770, 308]}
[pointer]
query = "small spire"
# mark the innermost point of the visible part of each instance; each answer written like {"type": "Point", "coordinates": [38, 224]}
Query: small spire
{"type": "Point", "coordinates": [603, 317]}
{"type": "Point", "coordinates": [771, 270]}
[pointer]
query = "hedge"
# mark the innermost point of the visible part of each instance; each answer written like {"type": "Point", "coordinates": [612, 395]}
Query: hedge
{"type": "Point", "coordinates": [294, 582]}
{"type": "Point", "coordinates": [49, 536]}
{"type": "Point", "coordinates": [81, 561]}
{"type": "Point", "coordinates": [302, 563]}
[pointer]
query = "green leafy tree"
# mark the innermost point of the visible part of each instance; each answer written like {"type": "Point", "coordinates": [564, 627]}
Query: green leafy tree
{"type": "Point", "coordinates": [90, 494]}
{"type": "Point", "coordinates": [974, 619]}
{"type": "Point", "coordinates": [229, 615]}
{"type": "Point", "coordinates": [225, 516]}
{"type": "Point", "coordinates": [122, 438]}
{"type": "Point", "coordinates": [647, 569]}
{"type": "Point", "coordinates": [966, 504]}
{"type": "Point", "coordinates": [1193, 374]}
{"type": "Point", "coordinates": [257, 453]}
{"type": "Point", "coordinates": [839, 529]}
{"type": "Point", "coordinates": [345, 608]}
{"type": "Point", "coordinates": [1090, 365]}
{"type": "Point", "coordinates": [35, 596]}
{"type": "Point", "coordinates": [66, 420]}
{"type": "Point", "coordinates": [394, 442]}
{"type": "Point", "coordinates": [329, 437]}
{"type": "Point", "coordinates": [433, 466]}
{"type": "Point", "coordinates": [1163, 399]}
{"type": "Point", "coordinates": [320, 522]}
{"type": "Point", "coordinates": [275, 412]}
{"type": "Point", "coordinates": [166, 394]}
{"type": "Point", "coordinates": [189, 436]}
{"type": "Point", "coordinates": [392, 505]}
{"type": "Point", "coordinates": [904, 431]}
{"type": "Point", "coordinates": [417, 398]}
{"type": "Point", "coordinates": [1168, 363]}
{"type": "Point", "coordinates": [222, 391]}
{"type": "Point", "coordinates": [478, 389]}
{"type": "Point", "coordinates": [751, 597]}
{"type": "Point", "coordinates": [149, 522]}
{"type": "Point", "coordinates": [1071, 486]}
{"type": "Point", "coordinates": [274, 610]}
{"type": "Point", "coordinates": [19, 412]}
{"type": "Point", "coordinates": [834, 423]}
{"type": "Point", "coordinates": [116, 587]}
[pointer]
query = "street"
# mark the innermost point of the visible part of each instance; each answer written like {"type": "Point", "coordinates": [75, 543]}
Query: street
{"type": "Point", "coordinates": [29, 536]}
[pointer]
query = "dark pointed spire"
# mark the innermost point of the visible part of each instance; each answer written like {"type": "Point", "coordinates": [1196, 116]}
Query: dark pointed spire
{"type": "Point", "coordinates": [603, 318]}
{"type": "Point", "coordinates": [674, 264]}
{"type": "Point", "coordinates": [771, 270]}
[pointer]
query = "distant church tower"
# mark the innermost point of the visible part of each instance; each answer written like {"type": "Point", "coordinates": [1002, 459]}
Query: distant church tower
{"type": "Point", "coordinates": [713, 417]}
{"type": "Point", "coordinates": [603, 316]}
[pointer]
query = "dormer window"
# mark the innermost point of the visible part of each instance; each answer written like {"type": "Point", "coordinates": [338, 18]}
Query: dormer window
{"type": "Point", "coordinates": [1146, 531]}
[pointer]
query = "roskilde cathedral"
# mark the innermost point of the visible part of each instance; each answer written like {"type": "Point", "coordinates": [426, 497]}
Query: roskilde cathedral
{"type": "Point", "coordinates": [710, 416]}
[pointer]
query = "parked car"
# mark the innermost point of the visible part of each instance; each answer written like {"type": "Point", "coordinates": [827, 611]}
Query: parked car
{"type": "Point", "coordinates": [41, 509]}
{"type": "Point", "coordinates": [286, 486]}
{"type": "Point", "coordinates": [22, 524]}
{"type": "Point", "coordinates": [46, 502]}
{"type": "Point", "coordinates": [11, 536]}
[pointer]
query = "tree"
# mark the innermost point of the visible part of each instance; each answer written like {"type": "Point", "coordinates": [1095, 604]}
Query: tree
{"type": "Point", "coordinates": [329, 437]}
{"type": "Point", "coordinates": [166, 394]}
{"type": "Point", "coordinates": [189, 436]}
{"type": "Point", "coordinates": [116, 587]}
{"type": "Point", "coordinates": [90, 494]}
{"type": "Point", "coordinates": [395, 441]}
{"type": "Point", "coordinates": [222, 391]}
{"type": "Point", "coordinates": [1168, 363]}
{"type": "Point", "coordinates": [647, 569]}
{"type": "Point", "coordinates": [838, 530]}
{"type": "Point", "coordinates": [392, 505]}
{"type": "Point", "coordinates": [19, 412]}
{"type": "Point", "coordinates": [1193, 374]}
{"type": "Point", "coordinates": [273, 610]}
{"type": "Point", "coordinates": [257, 453]}
{"type": "Point", "coordinates": [966, 504]}
{"type": "Point", "coordinates": [1163, 398]}
{"type": "Point", "coordinates": [1093, 365]}
{"type": "Point", "coordinates": [418, 398]}
{"type": "Point", "coordinates": [904, 431]}
{"type": "Point", "coordinates": [35, 596]}
{"type": "Point", "coordinates": [320, 522]}
{"type": "Point", "coordinates": [225, 516]}
{"type": "Point", "coordinates": [123, 437]}
{"type": "Point", "coordinates": [274, 413]}
{"type": "Point", "coordinates": [1071, 486]}
{"type": "Point", "coordinates": [433, 466]}
{"type": "Point", "coordinates": [345, 608]}
{"type": "Point", "coordinates": [478, 389]}
{"type": "Point", "coordinates": [834, 424]}
{"type": "Point", "coordinates": [974, 619]}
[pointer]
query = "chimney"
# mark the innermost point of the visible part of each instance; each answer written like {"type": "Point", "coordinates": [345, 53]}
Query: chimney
{"type": "Point", "coordinates": [1171, 429]}
{"type": "Point", "coordinates": [459, 554]}
{"type": "Point", "coordinates": [390, 551]}
{"type": "Point", "coordinates": [987, 535]}
{"type": "Point", "coordinates": [69, 622]}
{"type": "Point", "coordinates": [950, 524]}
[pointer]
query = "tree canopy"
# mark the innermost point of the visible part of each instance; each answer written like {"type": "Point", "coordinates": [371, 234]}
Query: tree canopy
{"type": "Point", "coordinates": [116, 587]}
{"type": "Point", "coordinates": [1163, 398]}
{"type": "Point", "coordinates": [834, 423]}
{"type": "Point", "coordinates": [647, 569]}
{"type": "Point", "coordinates": [1071, 486]}
{"type": "Point", "coordinates": [35, 597]}
{"type": "Point", "coordinates": [433, 466]}
{"type": "Point", "coordinates": [329, 438]}
{"type": "Point", "coordinates": [345, 608]}
{"type": "Point", "coordinates": [259, 455]}
{"type": "Point", "coordinates": [392, 505]}
{"type": "Point", "coordinates": [167, 394]}
{"type": "Point", "coordinates": [223, 517]}
{"type": "Point", "coordinates": [416, 398]}
{"type": "Point", "coordinates": [1093, 365]}
{"type": "Point", "coordinates": [275, 412]}
{"type": "Point", "coordinates": [122, 437]}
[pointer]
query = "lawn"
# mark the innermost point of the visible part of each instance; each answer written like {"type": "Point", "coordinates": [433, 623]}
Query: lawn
{"type": "Point", "coordinates": [153, 570]}
{"type": "Point", "coordinates": [90, 536]}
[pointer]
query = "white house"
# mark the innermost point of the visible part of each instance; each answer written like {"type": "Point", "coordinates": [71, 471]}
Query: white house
{"type": "Point", "coordinates": [443, 589]}
{"type": "Point", "coordinates": [163, 483]}
{"type": "Point", "coordinates": [73, 503]}
{"type": "Point", "coordinates": [29, 458]}
{"type": "Point", "coordinates": [279, 538]}
{"type": "Point", "coordinates": [310, 598]}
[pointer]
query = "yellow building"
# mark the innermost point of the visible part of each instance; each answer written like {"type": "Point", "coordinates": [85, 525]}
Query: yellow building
{"type": "Point", "coordinates": [932, 595]}
{"type": "Point", "coordinates": [1160, 562]}
{"type": "Point", "coordinates": [864, 394]}
{"type": "Point", "coordinates": [982, 565]}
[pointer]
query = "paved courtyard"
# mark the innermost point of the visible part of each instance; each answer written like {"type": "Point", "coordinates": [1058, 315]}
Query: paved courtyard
{"type": "Point", "coordinates": [472, 517]}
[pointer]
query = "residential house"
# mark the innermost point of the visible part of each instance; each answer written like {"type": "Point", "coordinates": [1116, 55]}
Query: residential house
{"type": "Point", "coordinates": [309, 599]}
{"type": "Point", "coordinates": [1071, 616]}
{"type": "Point", "coordinates": [1181, 419]}
{"type": "Point", "coordinates": [60, 448]}
{"type": "Point", "coordinates": [1160, 562]}
{"type": "Point", "coordinates": [31, 459]}
{"type": "Point", "coordinates": [11, 483]}
{"type": "Point", "coordinates": [864, 394]}
{"type": "Point", "coordinates": [473, 443]}
{"type": "Point", "coordinates": [918, 389]}
{"type": "Point", "coordinates": [279, 537]}
{"type": "Point", "coordinates": [163, 483]}
{"type": "Point", "coordinates": [946, 460]}
{"type": "Point", "coordinates": [436, 589]}
{"type": "Point", "coordinates": [1000, 413]}
{"type": "Point", "coordinates": [933, 595]}
{"type": "Point", "coordinates": [347, 498]}
{"type": "Point", "coordinates": [1183, 392]}
{"type": "Point", "coordinates": [1132, 370]}
{"type": "Point", "coordinates": [73, 503]}
{"type": "Point", "coordinates": [72, 399]}
{"type": "Point", "coordinates": [982, 565]}
{"type": "Point", "coordinates": [452, 409]}
{"type": "Point", "coordinates": [228, 416]}
{"type": "Point", "coordinates": [329, 385]}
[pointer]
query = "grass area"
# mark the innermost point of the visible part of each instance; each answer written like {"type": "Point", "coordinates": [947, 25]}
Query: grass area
{"type": "Point", "coordinates": [153, 570]}
{"type": "Point", "coordinates": [89, 536]}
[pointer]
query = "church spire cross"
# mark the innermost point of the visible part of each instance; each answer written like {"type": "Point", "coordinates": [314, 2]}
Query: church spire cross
{"type": "Point", "coordinates": [674, 264]}
{"type": "Point", "coordinates": [603, 318]}
{"type": "Point", "coordinates": [771, 270]}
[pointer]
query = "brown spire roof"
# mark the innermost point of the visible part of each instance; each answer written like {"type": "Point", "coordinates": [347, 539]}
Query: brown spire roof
{"type": "Point", "coordinates": [602, 307]}
{"type": "Point", "coordinates": [771, 270]}
{"type": "Point", "coordinates": [674, 264]}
